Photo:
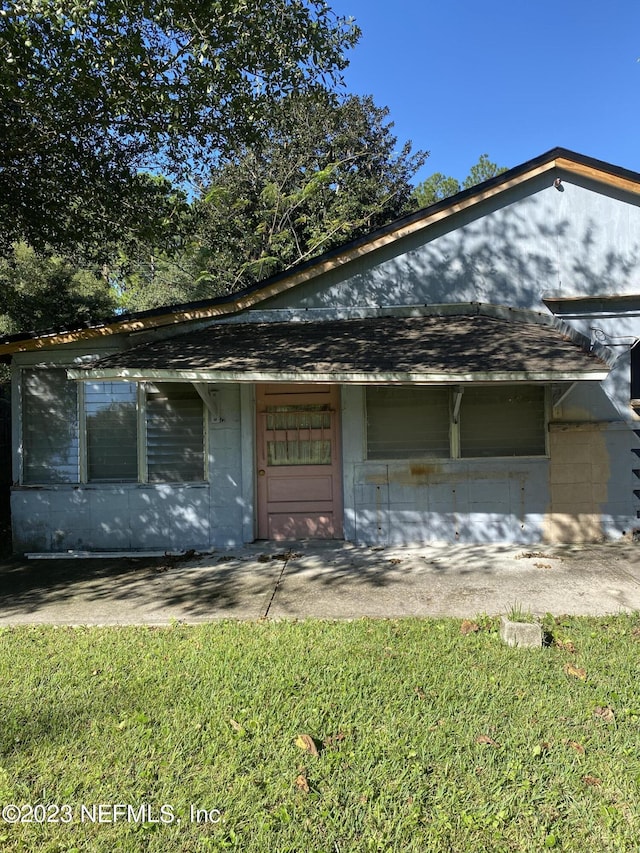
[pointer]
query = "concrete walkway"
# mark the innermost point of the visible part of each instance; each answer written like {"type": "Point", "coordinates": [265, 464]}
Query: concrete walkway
{"type": "Point", "coordinates": [328, 581]}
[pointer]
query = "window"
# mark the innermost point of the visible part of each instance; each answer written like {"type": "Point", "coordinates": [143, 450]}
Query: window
{"type": "Point", "coordinates": [503, 421]}
{"type": "Point", "coordinates": [50, 435]}
{"type": "Point", "coordinates": [111, 423]}
{"type": "Point", "coordinates": [175, 435]}
{"type": "Point", "coordinates": [407, 422]}
{"type": "Point", "coordinates": [298, 435]}
{"type": "Point", "coordinates": [410, 422]}
{"type": "Point", "coordinates": [157, 436]}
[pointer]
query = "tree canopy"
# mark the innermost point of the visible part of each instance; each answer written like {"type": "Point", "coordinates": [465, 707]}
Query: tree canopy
{"type": "Point", "coordinates": [323, 171]}
{"type": "Point", "coordinates": [94, 91]}
{"type": "Point", "coordinates": [40, 292]}
{"type": "Point", "coordinates": [438, 186]}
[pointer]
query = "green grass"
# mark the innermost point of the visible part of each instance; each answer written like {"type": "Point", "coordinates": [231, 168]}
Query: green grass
{"type": "Point", "coordinates": [517, 613]}
{"type": "Point", "coordinates": [428, 738]}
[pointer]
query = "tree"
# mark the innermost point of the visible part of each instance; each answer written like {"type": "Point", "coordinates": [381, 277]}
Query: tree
{"type": "Point", "coordinates": [435, 188]}
{"type": "Point", "coordinates": [93, 91]}
{"type": "Point", "coordinates": [482, 171]}
{"type": "Point", "coordinates": [438, 186]}
{"type": "Point", "coordinates": [44, 291]}
{"type": "Point", "coordinates": [323, 172]}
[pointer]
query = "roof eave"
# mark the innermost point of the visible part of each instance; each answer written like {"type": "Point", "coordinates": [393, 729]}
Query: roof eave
{"type": "Point", "coordinates": [347, 378]}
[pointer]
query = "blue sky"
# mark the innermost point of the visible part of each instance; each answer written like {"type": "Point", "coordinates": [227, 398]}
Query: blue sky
{"type": "Point", "coordinates": [512, 79]}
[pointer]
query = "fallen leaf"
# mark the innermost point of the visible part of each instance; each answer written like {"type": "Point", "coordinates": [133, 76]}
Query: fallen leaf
{"type": "Point", "coordinates": [575, 671]}
{"type": "Point", "coordinates": [577, 746]}
{"type": "Point", "coordinates": [469, 627]}
{"type": "Point", "coordinates": [333, 739]}
{"type": "Point", "coordinates": [541, 748]}
{"type": "Point", "coordinates": [419, 693]}
{"type": "Point", "coordinates": [565, 645]}
{"type": "Point", "coordinates": [487, 740]}
{"type": "Point", "coordinates": [302, 784]}
{"type": "Point", "coordinates": [238, 727]}
{"type": "Point", "coordinates": [605, 713]}
{"type": "Point", "coordinates": [307, 743]}
{"type": "Point", "coordinates": [591, 780]}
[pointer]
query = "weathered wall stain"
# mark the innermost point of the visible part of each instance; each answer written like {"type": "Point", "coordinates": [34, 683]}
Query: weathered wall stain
{"type": "Point", "coordinates": [579, 473]}
{"type": "Point", "coordinates": [438, 474]}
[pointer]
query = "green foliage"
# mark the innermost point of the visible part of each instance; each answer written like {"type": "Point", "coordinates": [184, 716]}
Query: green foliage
{"type": "Point", "coordinates": [435, 188]}
{"type": "Point", "coordinates": [322, 171]}
{"type": "Point", "coordinates": [482, 171]}
{"type": "Point", "coordinates": [438, 186]}
{"type": "Point", "coordinates": [92, 91]}
{"type": "Point", "coordinates": [41, 291]}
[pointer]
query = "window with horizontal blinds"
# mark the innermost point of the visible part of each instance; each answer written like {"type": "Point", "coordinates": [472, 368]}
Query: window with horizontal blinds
{"type": "Point", "coordinates": [112, 440]}
{"type": "Point", "coordinates": [50, 435]}
{"type": "Point", "coordinates": [174, 434]}
{"type": "Point", "coordinates": [404, 423]}
{"type": "Point", "coordinates": [503, 421]}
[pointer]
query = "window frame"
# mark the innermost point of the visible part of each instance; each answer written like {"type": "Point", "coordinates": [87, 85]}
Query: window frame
{"type": "Point", "coordinates": [143, 457]}
{"type": "Point", "coordinates": [411, 388]}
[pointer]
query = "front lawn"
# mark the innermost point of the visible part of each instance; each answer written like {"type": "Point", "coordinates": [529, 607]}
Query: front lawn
{"type": "Point", "coordinates": [408, 735]}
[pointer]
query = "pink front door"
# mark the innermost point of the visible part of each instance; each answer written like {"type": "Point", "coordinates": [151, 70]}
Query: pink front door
{"type": "Point", "coordinates": [299, 471]}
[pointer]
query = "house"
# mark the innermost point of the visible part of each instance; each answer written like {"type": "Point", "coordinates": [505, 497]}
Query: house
{"type": "Point", "coordinates": [467, 373]}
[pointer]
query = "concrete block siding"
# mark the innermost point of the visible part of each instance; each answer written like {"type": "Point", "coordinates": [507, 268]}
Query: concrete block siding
{"type": "Point", "coordinates": [583, 491]}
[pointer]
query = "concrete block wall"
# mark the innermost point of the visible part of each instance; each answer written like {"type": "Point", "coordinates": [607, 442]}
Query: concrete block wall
{"type": "Point", "coordinates": [104, 517]}
{"type": "Point", "coordinates": [591, 482]}
{"type": "Point", "coordinates": [452, 501]}
{"type": "Point", "coordinates": [226, 471]}
{"type": "Point", "coordinates": [134, 516]}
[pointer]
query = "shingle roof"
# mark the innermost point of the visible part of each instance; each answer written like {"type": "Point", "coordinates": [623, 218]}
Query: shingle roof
{"type": "Point", "coordinates": [432, 345]}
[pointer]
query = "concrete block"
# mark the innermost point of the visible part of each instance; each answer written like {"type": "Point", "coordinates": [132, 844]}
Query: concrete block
{"type": "Point", "coordinates": [567, 473]}
{"type": "Point", "coordinates": [574, 528]}
{"type": "Point", "coordinates": [524, 635]}
{"type": "Point", "coordinates": [489, 493]}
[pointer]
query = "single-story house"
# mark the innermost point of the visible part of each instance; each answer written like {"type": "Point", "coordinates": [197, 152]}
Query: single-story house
{"type": "Point", "coordinates": [467, 373]}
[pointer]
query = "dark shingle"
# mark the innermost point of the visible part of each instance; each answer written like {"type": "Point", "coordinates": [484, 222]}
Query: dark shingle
{"type": "Point", "coordinates": [430, 344]}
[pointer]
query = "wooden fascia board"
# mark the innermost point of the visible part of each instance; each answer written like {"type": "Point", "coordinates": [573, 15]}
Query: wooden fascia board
{"type": "Point", "coordinates": [599, 175]}
{"type": "Point", "coordinates": [225, 376]}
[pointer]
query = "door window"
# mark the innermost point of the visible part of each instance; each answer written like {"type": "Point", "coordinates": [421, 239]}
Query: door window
{"type": "Point", "coordinates": [298, 435]}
